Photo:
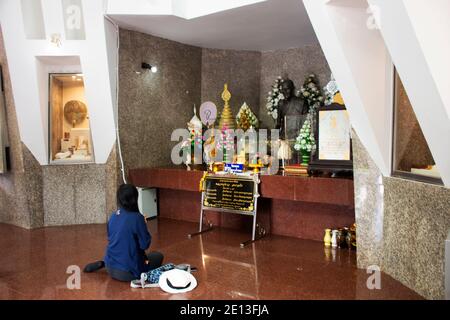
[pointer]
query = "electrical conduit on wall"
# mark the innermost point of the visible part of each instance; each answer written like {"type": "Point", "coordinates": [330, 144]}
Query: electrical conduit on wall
{"type": "Point", "coordinates": [116, 102]}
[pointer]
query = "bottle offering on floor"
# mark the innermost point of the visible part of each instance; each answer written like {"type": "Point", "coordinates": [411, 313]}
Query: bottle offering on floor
{"type": "Point", "coordinates": [334, 241]}
{"type": "Point", "coordinates": [327, 238]}
{"type": "Point", "coordinates": [341, 238]}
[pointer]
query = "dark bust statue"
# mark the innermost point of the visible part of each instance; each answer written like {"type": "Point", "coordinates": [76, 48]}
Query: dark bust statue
{"type": "Point", "coordinates": [290, 106]}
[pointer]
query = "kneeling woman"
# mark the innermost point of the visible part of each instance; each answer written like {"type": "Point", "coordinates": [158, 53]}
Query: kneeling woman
{"type": "Point", "coordinates": [128, 238]}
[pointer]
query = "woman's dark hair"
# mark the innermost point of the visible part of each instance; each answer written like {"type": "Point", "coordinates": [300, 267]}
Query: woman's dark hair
{"type": "Point", "coordinates": [127, 197]}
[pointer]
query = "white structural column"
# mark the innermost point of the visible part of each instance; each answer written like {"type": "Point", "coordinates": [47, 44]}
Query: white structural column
{"type": "Point", "coordinates": [23, 73]}
{"type": "Point", "coordinates": [417, 34]}
{"type": "Point", "coordinates": [29, 60]}
{"type": "Point", "coordinates": [100, 78]}
{"type": "Point", "coordinates": [362, 68]}
{"type": "Point", "coordinates": [431, 23]}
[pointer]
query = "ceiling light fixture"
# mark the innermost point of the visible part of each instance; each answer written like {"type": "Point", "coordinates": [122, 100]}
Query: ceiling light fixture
{"type": "Point", "coordinates": [150, 67]}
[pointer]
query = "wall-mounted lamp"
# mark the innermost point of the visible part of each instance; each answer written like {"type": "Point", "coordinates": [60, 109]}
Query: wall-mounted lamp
{"type": "Point", "coordinates": [150, 67]}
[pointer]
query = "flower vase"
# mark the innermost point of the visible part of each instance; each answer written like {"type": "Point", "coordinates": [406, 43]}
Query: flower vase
{"type": "Point", "coordinates": [305, 156]}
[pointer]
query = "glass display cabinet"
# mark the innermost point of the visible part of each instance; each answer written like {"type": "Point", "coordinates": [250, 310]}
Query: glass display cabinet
{"type": "Point", "coordinates": [69, 128]}
{"type": "Point", "coordinates": [412, 157]}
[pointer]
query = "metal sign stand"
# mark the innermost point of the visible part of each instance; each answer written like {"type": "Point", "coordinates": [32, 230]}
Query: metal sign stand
{"type": "Point", "coordinates": [261, 231]}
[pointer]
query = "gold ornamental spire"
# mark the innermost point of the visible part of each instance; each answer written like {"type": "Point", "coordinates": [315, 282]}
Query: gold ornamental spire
{"type": "Point", "coordinates": [226, 95]}
{"type": "Point", "coordinates": [226, 119]}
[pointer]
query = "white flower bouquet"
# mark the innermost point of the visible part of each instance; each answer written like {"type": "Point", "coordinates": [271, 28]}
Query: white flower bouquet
{"type": "Point", "coordinates": [311, 93]}
{"type": "Point", "coordinates": [275, 96]}
{"type": "Point", "coordinates": [305, 142]}
{"type": "Point", "coordinates": [330, 90]}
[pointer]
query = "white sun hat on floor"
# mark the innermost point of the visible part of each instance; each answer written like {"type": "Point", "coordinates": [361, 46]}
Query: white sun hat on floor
{"type": "Point", "coordinates": [177, 281]}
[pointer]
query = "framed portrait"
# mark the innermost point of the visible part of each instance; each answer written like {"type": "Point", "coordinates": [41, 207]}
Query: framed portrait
{"type": "Point", "coordinates": [333, 136]}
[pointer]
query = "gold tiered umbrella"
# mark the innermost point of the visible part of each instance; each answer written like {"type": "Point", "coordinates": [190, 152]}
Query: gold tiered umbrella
{"type": "Point", "coordinates": [226, 119]}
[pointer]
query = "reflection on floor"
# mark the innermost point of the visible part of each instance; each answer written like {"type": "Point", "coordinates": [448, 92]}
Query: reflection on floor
{"type": "Point", "coordinates": [33, 265]}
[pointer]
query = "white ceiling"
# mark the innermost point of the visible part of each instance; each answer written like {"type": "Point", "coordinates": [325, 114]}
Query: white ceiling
{"type": "Point", "coordinates": [265, 26]}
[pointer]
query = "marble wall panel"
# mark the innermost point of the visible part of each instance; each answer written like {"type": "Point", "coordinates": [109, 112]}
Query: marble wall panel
{"type": "Point", "coordinates": [13, 205]}
{"type": "Point", "coordinates": [240, 69]}
{"type": "Point", "coordinates": [369, 206]}
{"type": "Point", "coordinates": [79, 194]}
{"type": "Point", "coordinates": [416, 224]}
{"type": "Point", "coordinates": [112, 181]}
{"type": "Point", "coordinates": [295, 64]}
{"type": "Point", "coordinates": [32, 191]}
{"type": "Point", "coordinates": [401, 225]}
{"type": "Point", "coordinates": [411, 147]}
{"type": "Point", "coordinates": [152, 105]}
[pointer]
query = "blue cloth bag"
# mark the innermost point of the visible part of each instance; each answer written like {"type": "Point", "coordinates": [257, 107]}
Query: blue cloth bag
{"type": "Point", "coordinates": [153, 275]}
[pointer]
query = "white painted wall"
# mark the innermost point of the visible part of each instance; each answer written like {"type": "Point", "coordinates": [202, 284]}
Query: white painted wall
{"type": "Point", "coordinates": [28, 77]}
{"type": "Point", "coordinates": [359, 61]}
{"type": "Point", "coordinates": [414, 35]}
{"type": "Point", "coordinates": [139, 7]}
{"type": "Point", "coordinates": [431, 23]}
{"type": "Point", "coordinates": [422, 69]}
{"type": "Point", "coordinates": [112, 44]}
{"type": "Point", "coordinates": [187, 9]}
{"type": "Point", "coordinates": [24, 79]}
{"type": "Point", "coordinates": [198, 8]}
{"type": "Point", "coordinates": [95, 64]}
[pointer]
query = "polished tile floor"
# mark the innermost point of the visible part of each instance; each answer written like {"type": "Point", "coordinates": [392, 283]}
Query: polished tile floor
{"type": "Point", "coordinates": [33, 265]}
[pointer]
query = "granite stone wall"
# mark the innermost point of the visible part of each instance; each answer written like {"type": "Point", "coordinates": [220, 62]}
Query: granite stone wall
{"type": "Point", "coordinates": [295, 64]}
{"type": "Point", "coordinates": [19, 187]}
{"type": "Point", "coordinates": [33, 196]}
{"type": "Point", "coordinates": [152, 105]}
{"type": "Point", "coordinates": [79, 194]}
{"type": "Point", "coordinates": [240, 69]}
{"type": "Point", "coordinates": [401, 226]}
{"type": "Point", "coordinates": [411, 147]}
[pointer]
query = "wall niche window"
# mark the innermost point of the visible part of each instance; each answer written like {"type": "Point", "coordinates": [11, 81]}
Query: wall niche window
{"type": "Point", "coordinates": [411, 155]}
{"type": "Point", "coordinates": [70, 133]}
